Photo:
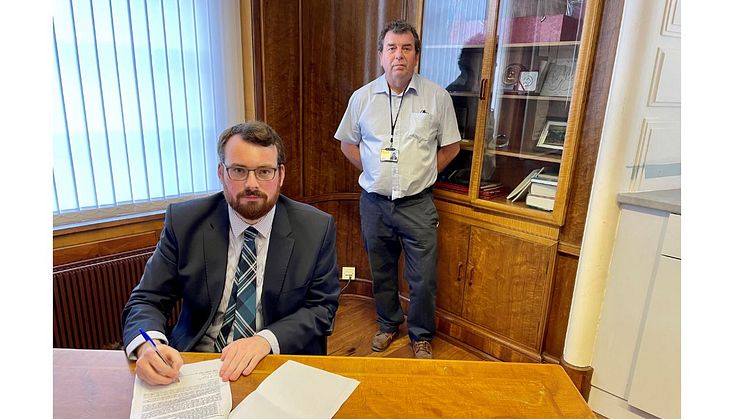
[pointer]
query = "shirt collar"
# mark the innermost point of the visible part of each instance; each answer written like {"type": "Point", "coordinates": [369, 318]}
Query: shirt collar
{"type": "Point", "coordinates": [238, 224]}
{"type": "Point", "coordinates": [381, 86]}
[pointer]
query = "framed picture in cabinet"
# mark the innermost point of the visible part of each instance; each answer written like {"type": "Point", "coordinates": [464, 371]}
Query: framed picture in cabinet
{"type": "Point", "coordinates": [553, 135]}
{"type": "Point", "coordinates": [528, 81]}
{"type": "Point", "coordinates": [559, 78]}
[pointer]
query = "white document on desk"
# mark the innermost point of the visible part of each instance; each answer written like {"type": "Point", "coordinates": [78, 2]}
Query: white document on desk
{"type": "Point", "coordinates": [297, 391]}
{"type": "Point", "coordinates": [200, 393]}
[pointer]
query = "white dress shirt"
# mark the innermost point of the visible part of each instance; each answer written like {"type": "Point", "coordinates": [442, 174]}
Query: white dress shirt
{"type": "Point", "coordinates": [236, 238]}
{"type": "Point", "coordinates": [235, 244]}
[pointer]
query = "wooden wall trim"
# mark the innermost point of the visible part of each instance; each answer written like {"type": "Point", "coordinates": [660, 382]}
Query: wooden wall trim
{"type": "Point", "coordinates": [107, 223]}
{"type": "Point", "coordinates": [569, 249]}
{"type": "Point", "coordinates": [247, 57]}
{"type": "Point", "coordinates": [483, 339]}
{"type": "Point", "coordinates": [580, 376]}
{"type": "Point", "coordinates": [538, 233]}
{"type": "Point", "coordinates": [358, 287]}
{"type": "Point", "coordinates": [105, 238]}
{"type": "Point", "coordinates": [549, 359]}
{"type": "Point", "coordinates": [335, 197]}
{"type": "Point", "coordinates": [258, 57]}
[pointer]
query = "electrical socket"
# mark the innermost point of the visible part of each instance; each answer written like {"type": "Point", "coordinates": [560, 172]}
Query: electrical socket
{"type": "Point", "coordinates": [348, 273]}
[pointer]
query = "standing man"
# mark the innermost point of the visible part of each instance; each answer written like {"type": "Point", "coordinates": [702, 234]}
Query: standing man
{"type": "Point", "coordinates": [255, 271]}
{"type": "Point", "coordinates": [400, 130]}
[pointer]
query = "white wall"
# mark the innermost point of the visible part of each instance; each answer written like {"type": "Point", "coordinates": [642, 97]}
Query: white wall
{"type": "Point", "coordinates": [640, 150]}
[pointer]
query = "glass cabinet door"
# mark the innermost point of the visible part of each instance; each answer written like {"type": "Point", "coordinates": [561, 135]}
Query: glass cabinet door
{"type": "Point", "coordinates": [453, 47]}
{"type": "Point", "coordinates": [532, 90]}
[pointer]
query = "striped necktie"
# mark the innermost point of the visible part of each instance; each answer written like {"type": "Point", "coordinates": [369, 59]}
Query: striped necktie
{"type": "Point", "coordinates": [241, 312]}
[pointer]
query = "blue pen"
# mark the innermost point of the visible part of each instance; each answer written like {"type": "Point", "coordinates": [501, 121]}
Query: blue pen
{"type": "Point", "coordinates": [149, 339]}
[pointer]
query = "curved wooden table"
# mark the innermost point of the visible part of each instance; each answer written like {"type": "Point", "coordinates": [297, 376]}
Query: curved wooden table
{"type": "Point", "coordinates": [97, 384]}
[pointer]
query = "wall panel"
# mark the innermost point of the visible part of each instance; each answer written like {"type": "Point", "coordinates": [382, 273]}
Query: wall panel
{"type": "Point", "coordinates": [280, 67]}
{"type": "Point", "coordinates": [559, 308]}
{"type": "Point", "coordinates": [339, 55]}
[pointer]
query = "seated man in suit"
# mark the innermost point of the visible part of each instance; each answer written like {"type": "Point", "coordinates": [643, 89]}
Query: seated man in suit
{"type": "Point", "coordinates": [255, 270]}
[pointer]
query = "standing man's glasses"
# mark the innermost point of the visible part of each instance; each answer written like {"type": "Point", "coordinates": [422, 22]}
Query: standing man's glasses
{"type": "Point", "coordinates": [242, 173]}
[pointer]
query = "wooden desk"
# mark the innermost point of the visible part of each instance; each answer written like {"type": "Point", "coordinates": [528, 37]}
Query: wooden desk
{"type": "Point", "coordinates": [97, 384]}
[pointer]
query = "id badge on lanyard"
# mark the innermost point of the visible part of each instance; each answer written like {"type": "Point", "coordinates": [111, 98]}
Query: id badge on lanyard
{"type": "Point", "coordinates": [391, 154]}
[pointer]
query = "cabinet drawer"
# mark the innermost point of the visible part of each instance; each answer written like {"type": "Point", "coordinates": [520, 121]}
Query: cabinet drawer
{"type": "Point", "coordinates": [672, 239]}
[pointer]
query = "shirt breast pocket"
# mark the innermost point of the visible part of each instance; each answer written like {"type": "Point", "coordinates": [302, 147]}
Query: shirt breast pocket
{"type": "Point", "coordinates": [422, 126]}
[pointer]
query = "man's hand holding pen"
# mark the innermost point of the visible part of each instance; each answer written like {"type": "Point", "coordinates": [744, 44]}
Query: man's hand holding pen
{"type": "Point", "coordinates": [158, 364]}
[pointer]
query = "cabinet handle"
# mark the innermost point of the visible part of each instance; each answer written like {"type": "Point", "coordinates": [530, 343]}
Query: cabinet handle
{"type": "Point", "coordinates": [471, 274]}
{"type": "Point", "coordinates": [458, 276]}
{"type": "Point", "coordinates": [482, 90]}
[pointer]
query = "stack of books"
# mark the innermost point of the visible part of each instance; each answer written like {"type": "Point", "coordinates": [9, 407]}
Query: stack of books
{"type": "Point", "coordinates": [520, 191]}
{"type": "Point", "coordinates": [489, 190]}
{"type": "Point", "coordinates": [542, 191]}
{"type": "Point", "coordinates": [453, 187]}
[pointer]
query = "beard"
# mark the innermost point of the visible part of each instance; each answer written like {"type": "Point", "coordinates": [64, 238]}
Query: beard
{"type": "Point", "coordinates": [252, 210]}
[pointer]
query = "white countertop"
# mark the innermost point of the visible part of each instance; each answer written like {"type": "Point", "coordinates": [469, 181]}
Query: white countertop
{"type": "Point", "coordinates": [667, 200]}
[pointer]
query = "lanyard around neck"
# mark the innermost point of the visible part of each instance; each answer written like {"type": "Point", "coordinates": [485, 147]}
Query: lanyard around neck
{"type": "Point", "coordinates": [391, 116]}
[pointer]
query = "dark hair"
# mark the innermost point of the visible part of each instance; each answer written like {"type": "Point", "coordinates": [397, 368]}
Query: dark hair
{"type": "Point", "coordinates": [399, 26]}
{"type": "Point", "coordinates": [255, 132]}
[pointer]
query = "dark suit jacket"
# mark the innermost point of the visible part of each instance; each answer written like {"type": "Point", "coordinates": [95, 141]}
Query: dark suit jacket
{"type": "Point", "coordinates": [300, 294]}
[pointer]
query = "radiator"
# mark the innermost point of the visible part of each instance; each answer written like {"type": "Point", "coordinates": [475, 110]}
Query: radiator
{"type": "Point", "coordinates": [89, 297]}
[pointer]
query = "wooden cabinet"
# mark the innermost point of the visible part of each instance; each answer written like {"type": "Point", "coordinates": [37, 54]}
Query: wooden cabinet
{"type": "Point", "coordinates": [495, 280]}
{"type": "Point", "coordinates": [518, 73]}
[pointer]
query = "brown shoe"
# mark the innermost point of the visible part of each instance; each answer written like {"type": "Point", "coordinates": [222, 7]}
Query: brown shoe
{"type": "Point", "coordinates": [382, 340]}
{"type": "Point", "coordinates": [422, 349]}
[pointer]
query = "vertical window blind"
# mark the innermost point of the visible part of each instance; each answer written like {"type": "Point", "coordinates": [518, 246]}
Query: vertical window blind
{"type": "Point", "coordinates": [143, 89]}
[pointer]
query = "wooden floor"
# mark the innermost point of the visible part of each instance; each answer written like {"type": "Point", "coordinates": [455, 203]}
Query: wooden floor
{"type": "Point", "coordinates": [356, 324]}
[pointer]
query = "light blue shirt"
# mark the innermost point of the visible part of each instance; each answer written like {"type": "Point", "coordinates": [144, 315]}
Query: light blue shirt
{"type": "Point", "coordinates": [426, 122]}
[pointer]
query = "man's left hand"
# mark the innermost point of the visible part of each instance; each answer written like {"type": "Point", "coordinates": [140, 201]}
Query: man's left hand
{"type": "Point", "coordinates": [242, 356]}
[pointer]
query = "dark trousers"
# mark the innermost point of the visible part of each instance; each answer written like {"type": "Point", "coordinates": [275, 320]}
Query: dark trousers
{"type": "Point", "coordinates": [408, 224]}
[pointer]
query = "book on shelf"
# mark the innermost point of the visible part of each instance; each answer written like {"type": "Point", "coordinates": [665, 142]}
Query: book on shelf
{"type": "Point", "coordinates": [489, 190]}
{"type": "Point", "coordinates": [522, 188]}
{"type": "Point", "coordinates": [453, 187]}
{"type": "Point", "coordinates": [491, 194]}
{"type": "Point", "coordinates": [542, 189]}
{"type": "Point", "coordinates": [488, 186]}
{"type": "Point", "coordinates": [548, 178]}
{"type": "Point", "coordinates": [486, 190]}
{"type": "Point", "coordinates": [540, 202]}
{"type": "Point", "coordinates": [459, 181]}
{"type": "Point", "coordinates": [460, 176]}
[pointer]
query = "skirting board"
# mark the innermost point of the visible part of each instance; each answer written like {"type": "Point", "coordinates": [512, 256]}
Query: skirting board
{"type": "Point", "coordinates": [580, 376]}
{"type": "Point", "coordinates": [611, 406]}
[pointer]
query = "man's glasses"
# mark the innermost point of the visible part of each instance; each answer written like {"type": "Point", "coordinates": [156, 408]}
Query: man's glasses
{"type": "Point", "coordinates": [239, 173]}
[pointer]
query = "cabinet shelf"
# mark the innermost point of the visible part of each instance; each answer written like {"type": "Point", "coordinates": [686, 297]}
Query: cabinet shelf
{"type": "Point", "coordinates": [543, 44]}
{"type": "Point", "coordinates": [526, 156]}
{"type": "Point", "coordinates": [518, 205]}
{"type": "Point", "coordinates": [464, 94]}
{"type": "Point", "coordinates": [530, 97]}
{"type": "Point", "coordinates": [449, 46]}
